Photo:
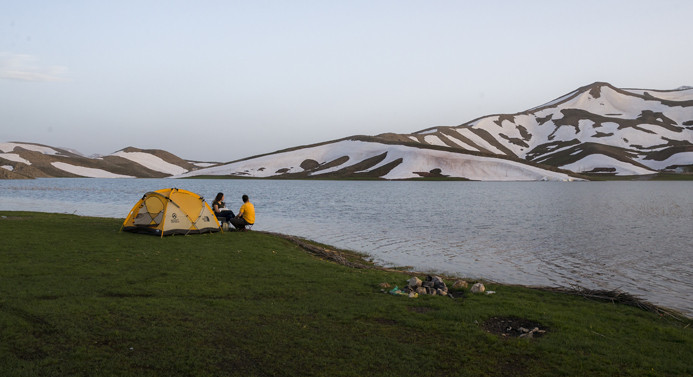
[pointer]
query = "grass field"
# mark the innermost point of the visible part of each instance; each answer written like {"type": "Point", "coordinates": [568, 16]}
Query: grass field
{"type": "Point", "coordinates": [80, 298]}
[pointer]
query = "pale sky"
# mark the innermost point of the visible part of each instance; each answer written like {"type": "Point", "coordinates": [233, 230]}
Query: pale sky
{"type": "Point", "coordinates": [224, 80]}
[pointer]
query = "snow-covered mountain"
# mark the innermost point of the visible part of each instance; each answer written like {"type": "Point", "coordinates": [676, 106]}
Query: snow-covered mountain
{"type": "Point", "coordinates": [360, 157]}
{"type": "Point", "coordinates": [30, 160]}
{"type": "Point", "coordinates": [597, 129]}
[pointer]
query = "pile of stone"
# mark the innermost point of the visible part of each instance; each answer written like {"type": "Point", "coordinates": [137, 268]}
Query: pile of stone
{"type": "Point", "coordinates": [432, 285]}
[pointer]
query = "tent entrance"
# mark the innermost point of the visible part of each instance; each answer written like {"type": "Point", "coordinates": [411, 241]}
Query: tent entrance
{"type": "Point", "coordinates": [151, 213]}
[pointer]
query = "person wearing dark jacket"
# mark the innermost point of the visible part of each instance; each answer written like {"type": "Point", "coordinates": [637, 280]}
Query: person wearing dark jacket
{"type": "Point", "coordinates": [219, 208]}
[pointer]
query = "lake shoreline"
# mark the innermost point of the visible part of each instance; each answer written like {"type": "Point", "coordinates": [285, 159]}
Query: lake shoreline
{"type": "Point", "coordinates": [525, 233]}
{"type": "Point", "coordinates": [347, 257]}
{"type": "Point", "coordinates": [83, 296]}
{"type": "Point", "coordinates": [354, 259]}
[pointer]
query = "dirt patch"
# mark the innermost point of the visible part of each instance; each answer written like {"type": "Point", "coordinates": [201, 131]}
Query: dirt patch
{"type": "Point", "coordinates": [514, 327]}
{"type": "Point", "coordinates": [332, 255]}
{"type": "Point", "coordinates": [309, 164]}
{"type": "Point", "coordinates": [437, 173]}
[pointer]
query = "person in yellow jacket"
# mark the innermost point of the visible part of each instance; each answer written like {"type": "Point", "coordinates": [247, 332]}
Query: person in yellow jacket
{"type": "Point", "coordinates": [246, 215]}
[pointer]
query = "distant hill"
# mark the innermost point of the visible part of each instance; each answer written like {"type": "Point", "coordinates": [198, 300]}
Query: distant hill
{"type": "Point", "coordinates": [29, 160]}
{"type": "Point", "coordinates": [596, 130]}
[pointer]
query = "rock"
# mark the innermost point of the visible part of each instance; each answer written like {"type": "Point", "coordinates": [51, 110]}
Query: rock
{"type": "Point", "coordinates": [460, 284]}
{"type": "Point", "coordinates": [384, 285]}
{"type": "Point", "coordinates": [441, 292]}
{"type": "Point", "coordinates": [437, 282]}
{"type": "Point", "coordinates": [421, 290]}
{"type": "Point", "coordinates": [414, 282]}
{"type": "Point", "coordinates": [413, 295]}
{"type": "Point", "coordinates": [478, 288]}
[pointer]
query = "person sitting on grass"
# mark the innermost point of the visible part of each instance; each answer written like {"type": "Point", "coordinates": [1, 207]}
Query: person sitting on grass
{"type": "Point", "coordinates": [220, 210]}
{"type": "Point", "coordinates": [246, 215]}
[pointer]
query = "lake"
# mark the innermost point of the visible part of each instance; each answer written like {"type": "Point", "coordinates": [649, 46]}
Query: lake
{"type": "Point", "coordinates": [631, 236]}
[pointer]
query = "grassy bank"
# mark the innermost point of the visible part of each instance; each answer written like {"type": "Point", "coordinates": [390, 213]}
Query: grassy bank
{"type": "Point", "coordinates": [79, 298]}
{"type": "Point", "coordinates": [648, 177]}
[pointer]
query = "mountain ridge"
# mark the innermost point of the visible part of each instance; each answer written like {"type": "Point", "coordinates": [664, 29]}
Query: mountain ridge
{"type": "Point", "coordinates": [598, 110]}
{"type": "Point", "coordinates": [597, 129]}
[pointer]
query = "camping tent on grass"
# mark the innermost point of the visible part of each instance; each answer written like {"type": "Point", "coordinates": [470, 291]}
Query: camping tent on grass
{"type": "Point", "coordinates": [171, 211]}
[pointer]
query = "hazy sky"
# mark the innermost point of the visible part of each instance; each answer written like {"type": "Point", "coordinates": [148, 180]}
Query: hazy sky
{"type": "Point", "coordinates": [223, 80]}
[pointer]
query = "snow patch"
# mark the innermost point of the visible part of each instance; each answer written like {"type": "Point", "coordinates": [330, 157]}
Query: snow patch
{"type": "Point", "coordinates": [151, 162]}
{"type": "Point", "coordinates": [682, 158]}
{"type": "Point", "coordinates": [288, 162]}
{"type": "Point", "coordinates": [9, 147]}
{"type": "Point", "coordinates": [683, 93]}
{"type": "Point", "coordinates": [7, 167]}
{"type": "Point", "coordinates": [462, 144]}
{"type": "Point", "coordinates": [546, 155]}
{"type": "Point", "coordinates": [204, 164]}
{"type": "Point", "coordinates": [467, 166]}
{"type": "Point", "coordinates": [478, 140]}
{"type": "Point", "coordinates": [87, 172]}
{"type": "Point", "coordinates": [15, 157]}
{"type": "Point", "coordinates": [434, 140]}
{"type": "Point", "coordinates": [618, 137]}
{"type": "Point", "coordinates": [662, 132]}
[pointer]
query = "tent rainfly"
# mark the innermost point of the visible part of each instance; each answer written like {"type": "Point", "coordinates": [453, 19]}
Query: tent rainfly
{"type": "Point", "coordinates": [171, 211]}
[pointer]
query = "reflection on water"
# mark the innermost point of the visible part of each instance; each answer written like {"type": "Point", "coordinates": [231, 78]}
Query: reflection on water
{"type": "Point", "coordinates": [633, 236]}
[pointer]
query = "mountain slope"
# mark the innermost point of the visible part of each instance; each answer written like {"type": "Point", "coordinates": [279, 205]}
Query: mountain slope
{"type": "Point", "coordinates": [358, 157]}
{"type": "Point", "coordinates": [597, 128]}
{"type": "Point", "coordinates": [30, 160]}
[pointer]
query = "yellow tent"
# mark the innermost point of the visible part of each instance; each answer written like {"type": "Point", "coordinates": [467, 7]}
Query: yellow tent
{"type": "Point", "coordinates": [171, 211]}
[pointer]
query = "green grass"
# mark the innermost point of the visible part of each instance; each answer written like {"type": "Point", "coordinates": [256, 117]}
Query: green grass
{"type": "Point", "coordinates": [79, 298]}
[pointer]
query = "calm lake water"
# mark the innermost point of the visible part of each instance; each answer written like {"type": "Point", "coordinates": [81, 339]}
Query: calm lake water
{"type": "Point", "coordinates": [632, 236]}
